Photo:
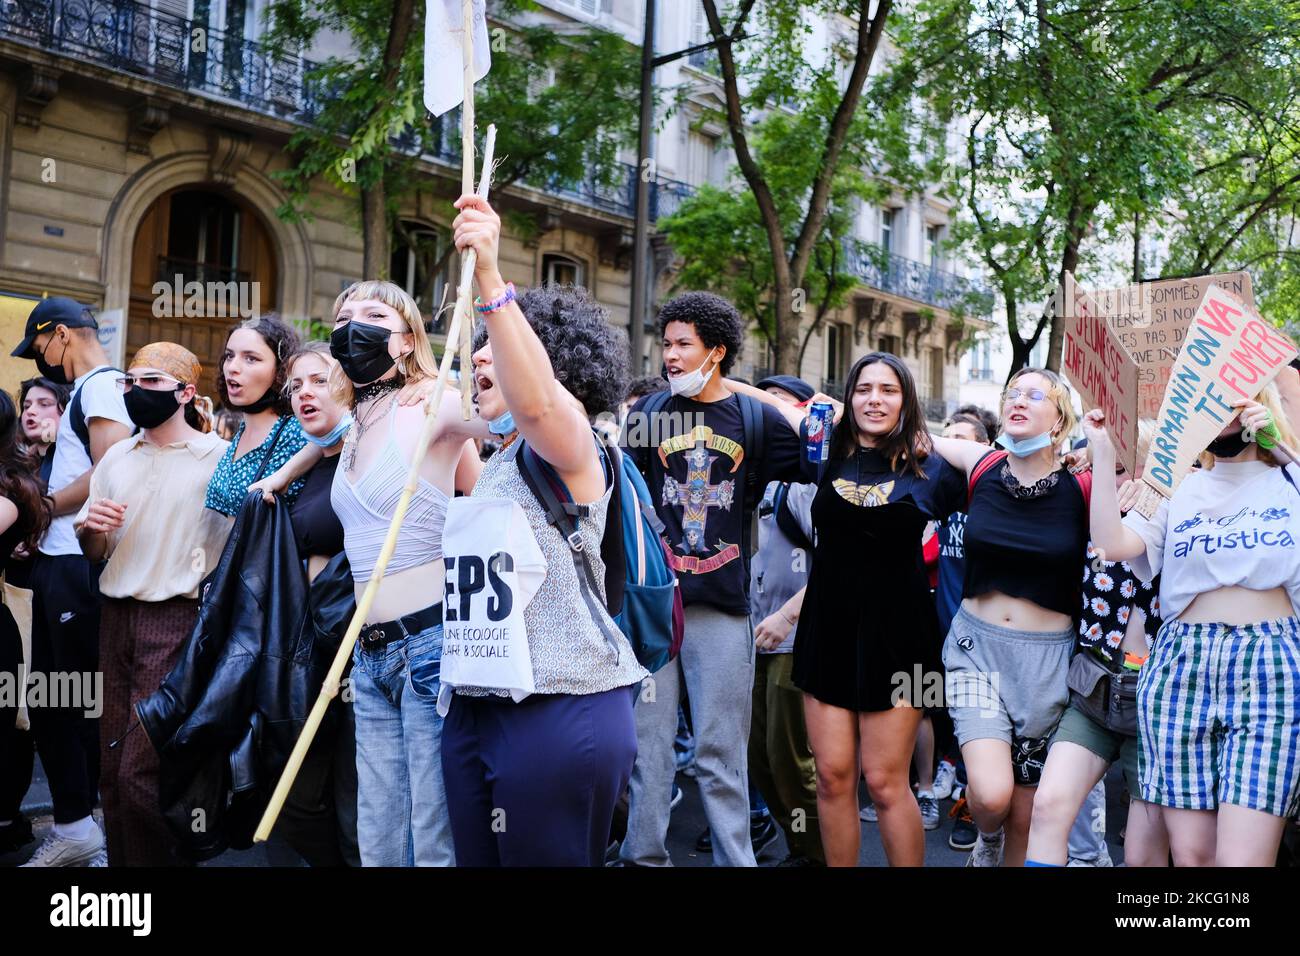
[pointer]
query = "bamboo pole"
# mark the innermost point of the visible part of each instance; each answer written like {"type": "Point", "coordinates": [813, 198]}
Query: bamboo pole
{"type": "Point", "coordinates": [457, 335]}
{"type": "Point", "coordinates": [467, 186]}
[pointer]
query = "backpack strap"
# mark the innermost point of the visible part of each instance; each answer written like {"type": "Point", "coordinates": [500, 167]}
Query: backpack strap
{"type": "Point", "coordinates": [1084, 479]}
{"type": "Point", "coordinates": [78, 418]}
{"type": "Point", "coordinates": [785, 519]}
{"type": "Point", "coordinates": [564, 516]}
{"type": "Point", "coordinates": [751, 414]}
{"type": "Point", "coordinates": [981, 468]}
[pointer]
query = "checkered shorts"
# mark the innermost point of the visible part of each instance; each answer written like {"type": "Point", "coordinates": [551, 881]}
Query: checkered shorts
{"type": "Point", "coordinates": [1219, 717]}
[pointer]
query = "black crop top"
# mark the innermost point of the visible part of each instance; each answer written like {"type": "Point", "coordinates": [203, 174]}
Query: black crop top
{"type": "Point", "coordinates": [315, 526]}
{"type": "Point", "coordinates": [1027, 548]}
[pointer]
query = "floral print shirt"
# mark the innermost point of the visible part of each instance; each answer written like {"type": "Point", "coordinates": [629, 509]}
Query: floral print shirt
{"type": "Point", "coordinates": [1111, 592]}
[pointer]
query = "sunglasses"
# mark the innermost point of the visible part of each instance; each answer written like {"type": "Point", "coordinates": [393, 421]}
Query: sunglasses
{"type": "Point", "coordinates": [153, 383]}
{"type": "Point", "coordinates": [1034, 395]}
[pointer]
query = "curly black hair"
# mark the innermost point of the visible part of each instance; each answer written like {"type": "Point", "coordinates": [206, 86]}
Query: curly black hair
{"type": "Point", "coordinates": [283, 340]}
{"type": "Point", "coordinates": [641, 387]}
{"type": "Point", "coordinates": [715, 319]}
{"type": "Point", "coordinates": [589, 356]}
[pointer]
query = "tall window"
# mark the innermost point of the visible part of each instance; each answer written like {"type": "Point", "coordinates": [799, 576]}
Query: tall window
{"type": "Point", "coordinates": [415, 266]}
{"type": "Point", "coordinates": [933, 245]}
{"type": "Point", "coordinates": [888, 218]}
{"type": "Point", "coordinates": [836, 352]}
{"type": "Point", "coordinates": [589, 7]}
{"type": "Point", "coordinates": [563, 270]}
{"type": "Point", "coordinates": [888, 343]}
{"type": "Point", "coordinates": [936, 373]}
{"type": "Point", "coordinates": [702, 151]}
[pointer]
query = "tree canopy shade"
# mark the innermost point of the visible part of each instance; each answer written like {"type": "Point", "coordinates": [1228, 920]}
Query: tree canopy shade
{"type": "Point", "coordinates": [814, 137]}
{"type": "Point", "coordinates": [551, 129]}
{"type": "Point", "coordinates": [1084, 114]}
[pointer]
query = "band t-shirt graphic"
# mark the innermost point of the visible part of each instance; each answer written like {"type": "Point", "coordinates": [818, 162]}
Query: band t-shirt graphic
{"type": "Point", "coordinates": [696, 467]}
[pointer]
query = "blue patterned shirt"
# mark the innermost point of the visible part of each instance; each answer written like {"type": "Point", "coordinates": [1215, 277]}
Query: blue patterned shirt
{"type": "Point", "coordinates": [229, 485]}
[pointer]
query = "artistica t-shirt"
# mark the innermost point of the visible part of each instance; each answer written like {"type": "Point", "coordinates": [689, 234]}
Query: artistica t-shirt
{"type": "Point", "coordinates": [695, 464]}
{"type": "Point", "coordinates": [1235, 524]}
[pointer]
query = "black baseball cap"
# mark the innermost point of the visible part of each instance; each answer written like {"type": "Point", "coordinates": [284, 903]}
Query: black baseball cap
{"type": "Point", "coordinates": [50, 313]}
{"type": "Point", "coordinates": [795, 386]}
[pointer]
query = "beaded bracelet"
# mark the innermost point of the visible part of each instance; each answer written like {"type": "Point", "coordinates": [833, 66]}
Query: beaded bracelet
{"type": "Point", "coordinates": [483, 308]}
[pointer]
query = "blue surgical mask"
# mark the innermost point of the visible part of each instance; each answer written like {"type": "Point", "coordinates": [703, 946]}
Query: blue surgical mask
{"type": "Point", "coordinates": [336, 433]}
{"type": "Point", "coordinates": [503, 424]}
{"type": "Point", "coordinates": [1025, 446]}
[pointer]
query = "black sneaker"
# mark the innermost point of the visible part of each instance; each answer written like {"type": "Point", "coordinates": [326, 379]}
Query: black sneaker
{"type": "Point", "coordinates": [793, 860]}
{"type": "Point", "coordinates": [16, 834]}
{"type": "Point", "coordinates": [762, 832]}
{"type": "Point", "coordinates": [964, 833]}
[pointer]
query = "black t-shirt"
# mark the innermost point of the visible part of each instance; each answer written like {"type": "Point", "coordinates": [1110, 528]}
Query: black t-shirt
{"type": "Point", "coordinates": [1028, 548]}
{"type": "Point", "coordinates": [696, 472]}
{"type": "Point", "coordinates": [316, 527]}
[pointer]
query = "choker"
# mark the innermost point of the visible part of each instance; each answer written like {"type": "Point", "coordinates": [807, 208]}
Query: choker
{"type": "Point", "coordinates": [365, 393]}
{"type": "Point", "coordinates": [1039, 488]}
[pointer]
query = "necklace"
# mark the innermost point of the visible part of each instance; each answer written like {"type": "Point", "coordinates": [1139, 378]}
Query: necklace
{"type": "Point", "coordinates": [1036, 490]}
{"type": "Point", "coordinates": [363, 423]}
{"type": "Point", "coordinates": [368, 392]}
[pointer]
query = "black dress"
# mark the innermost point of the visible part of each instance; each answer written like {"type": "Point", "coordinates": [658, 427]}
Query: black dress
{"type": "Point", "coordinates": [868, 629]}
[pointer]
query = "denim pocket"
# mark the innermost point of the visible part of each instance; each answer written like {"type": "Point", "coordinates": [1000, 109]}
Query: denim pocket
{"type": "Point", "coordinates": [425, 664]}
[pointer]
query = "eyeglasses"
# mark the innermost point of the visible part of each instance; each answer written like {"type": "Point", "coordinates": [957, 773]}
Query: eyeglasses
{"type": "Point", "coordinates": [1034, 395]}
{"type": "Point", "coordinates": [153, 383]}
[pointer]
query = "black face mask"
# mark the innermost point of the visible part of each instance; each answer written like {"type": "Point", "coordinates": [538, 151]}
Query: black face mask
{"type": "Point", "coordinates": [54, 373]}
{"type": "Point", "coordinates": [362, 351]}
{"type": "Point", "coordinates": [1227, 446]}
{"type": "Point", "coordinates": [149, 408]}
{"type": "Point", "coordinates": [268, 400]}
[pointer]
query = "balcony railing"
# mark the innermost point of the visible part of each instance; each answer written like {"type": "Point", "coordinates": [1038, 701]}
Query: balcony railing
{"type": "Point", "coordinates": [129, 36]}
{"type": "Point", "coordinates": [915, 280]}
{"type": "Point", "coordinates": [980, 375]}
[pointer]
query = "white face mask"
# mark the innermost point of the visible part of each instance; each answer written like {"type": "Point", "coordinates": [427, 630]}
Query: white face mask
{"type": "Point", "coordinates": [690, 384]}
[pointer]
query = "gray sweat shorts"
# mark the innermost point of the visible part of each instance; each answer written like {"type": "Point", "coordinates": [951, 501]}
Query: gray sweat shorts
{"type": "Point", "coordinates": [1007, 685]}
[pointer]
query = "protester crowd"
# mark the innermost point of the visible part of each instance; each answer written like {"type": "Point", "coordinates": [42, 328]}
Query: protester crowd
{"type": "Point", "coordinates": [793, 620]}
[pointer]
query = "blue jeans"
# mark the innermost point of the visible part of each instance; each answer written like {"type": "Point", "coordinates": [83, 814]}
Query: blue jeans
{"type": "Point", "coordinates": [401, 801]}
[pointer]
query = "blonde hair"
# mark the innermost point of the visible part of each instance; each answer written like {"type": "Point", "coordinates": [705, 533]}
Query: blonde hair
{"type": "Point", "coordinates": [1271, 399]}
{"type": "Point", "coordinates": [420, 364]}
{"type": "Point", "coordinates": [1059, 393]}
{"type": "Point", "coordinates": [340, 386]}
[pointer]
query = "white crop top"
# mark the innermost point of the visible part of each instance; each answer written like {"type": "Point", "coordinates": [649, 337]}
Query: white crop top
{"type": "Point", "coordinates": [1236, 524]}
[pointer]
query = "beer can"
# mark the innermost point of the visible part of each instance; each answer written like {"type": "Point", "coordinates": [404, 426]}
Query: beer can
{"type": "Point", "coordinates": [820, 418]}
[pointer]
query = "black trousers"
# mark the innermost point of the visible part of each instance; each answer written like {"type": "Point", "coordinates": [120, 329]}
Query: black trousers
{"type": "Point", "coordinates": [16, 753]}
{"type": "Point", "coordinates": [65, 640]}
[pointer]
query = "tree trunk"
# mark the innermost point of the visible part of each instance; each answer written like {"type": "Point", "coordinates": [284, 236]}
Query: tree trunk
{"type": "Point", "coordinates": [374, 227]}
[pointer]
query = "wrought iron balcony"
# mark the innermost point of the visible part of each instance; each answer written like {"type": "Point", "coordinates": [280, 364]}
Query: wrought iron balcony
{"type": "Point", "coordinates": [915, 280]}
{"type": "Point", "coordinates": [178, 51]}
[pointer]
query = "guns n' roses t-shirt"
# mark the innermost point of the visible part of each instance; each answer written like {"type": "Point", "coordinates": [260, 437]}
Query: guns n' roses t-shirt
{"type": "Point", "coordinates": [695, 464]}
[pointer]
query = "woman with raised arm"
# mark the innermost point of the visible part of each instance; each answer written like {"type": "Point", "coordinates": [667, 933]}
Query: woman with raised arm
{"type": "Point", "coordinates": [1008, 650]}
{"type": "Point", "coordinates": [868, 634]}
{"type": "Point", "coordinates": [534, 781]}
{"type": "Point", "coordinates": [1218, 711]}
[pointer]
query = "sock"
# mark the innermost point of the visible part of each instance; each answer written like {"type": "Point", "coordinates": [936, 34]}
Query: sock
{"type": "Point", "coordinates": [1055, 866]}
{"type": "Point", "coordinates": [83, 829]}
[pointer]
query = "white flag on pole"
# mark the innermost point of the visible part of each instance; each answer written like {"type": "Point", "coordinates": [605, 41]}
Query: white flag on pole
{"type": "Point", "coordinates": [444, 64]}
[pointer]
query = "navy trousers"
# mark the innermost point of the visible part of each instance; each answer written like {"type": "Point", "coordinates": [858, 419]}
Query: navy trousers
{"type": "Point", "coordinates": [535, 783]}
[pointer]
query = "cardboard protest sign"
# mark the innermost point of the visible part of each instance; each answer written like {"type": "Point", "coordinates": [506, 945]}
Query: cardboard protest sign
{"type": "Point", "coordinates": [1105, 375]}
{"type": "Point", "coordinates": [1152, 318]}
{"type": "Point", "coordinates": [1230, 354]}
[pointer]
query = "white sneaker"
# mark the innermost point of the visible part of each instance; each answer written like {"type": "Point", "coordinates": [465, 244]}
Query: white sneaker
{"type": "Point", "coordinates": [929, 811]}
{"type": "Point", "coordinates": [1101, 861]}
{"type": "Point", "coordinates": [945, 778]}
{"type": "Point", "coordinates": [987, 852]}
{"type": "Point", "coordinates": [868, 813]}
{"type": "Point", "coordinates": [56, 850]}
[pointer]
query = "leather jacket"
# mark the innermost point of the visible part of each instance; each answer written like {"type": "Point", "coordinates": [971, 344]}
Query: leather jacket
{"type": "Point", "coordinates": [226, 718]}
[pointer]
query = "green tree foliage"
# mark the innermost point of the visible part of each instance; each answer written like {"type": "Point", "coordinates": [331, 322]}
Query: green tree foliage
{"type": "Point", "coordinates": [372, 123]}
{"type": "Point", "coordinates": [1081, 114]}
